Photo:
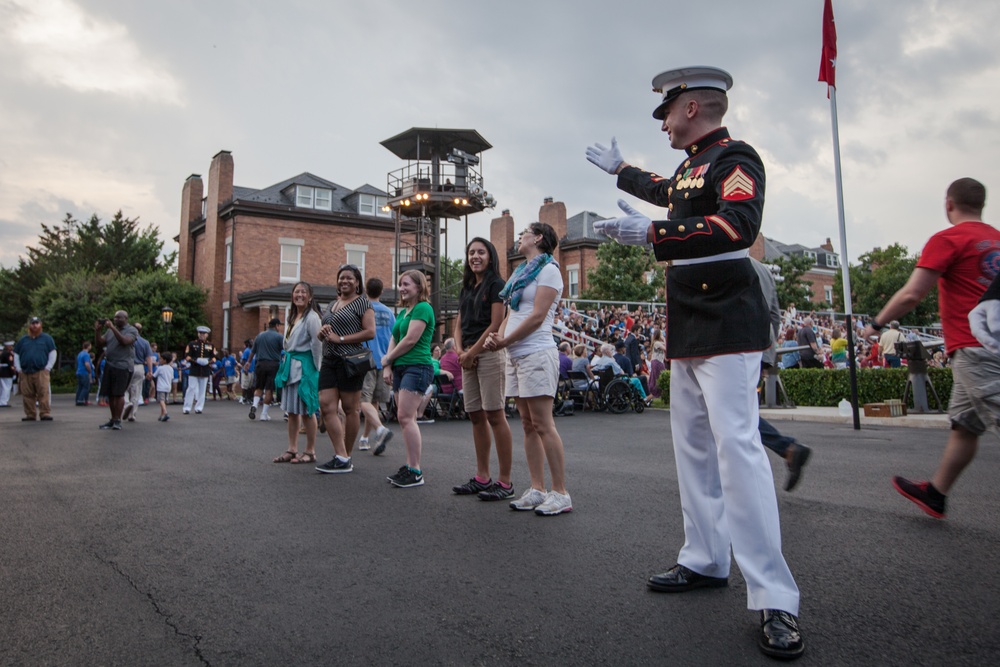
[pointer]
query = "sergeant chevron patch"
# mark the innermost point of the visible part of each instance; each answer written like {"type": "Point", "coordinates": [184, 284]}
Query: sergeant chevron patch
{"type": "Point", "coordinates": [737, 186]}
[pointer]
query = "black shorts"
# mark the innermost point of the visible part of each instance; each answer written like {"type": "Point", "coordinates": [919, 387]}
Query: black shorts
{"type": "Point", "coordinates": [264, 373]}
{"type": "Point", "coordinates": [333, 375]}
{"type": "Point", "coordinates": [115, 381]}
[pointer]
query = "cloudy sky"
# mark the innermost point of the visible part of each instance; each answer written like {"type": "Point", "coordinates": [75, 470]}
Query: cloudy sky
{"type": "Point", "coordinates": [111, 104]}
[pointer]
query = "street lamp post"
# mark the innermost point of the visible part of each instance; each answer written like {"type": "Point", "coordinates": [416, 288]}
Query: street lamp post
{"type": "Point", "coordinates": [167, 314]}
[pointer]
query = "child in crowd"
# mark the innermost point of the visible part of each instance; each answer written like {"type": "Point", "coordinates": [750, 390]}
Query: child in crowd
{"type": "Point", "coordinates": [164, 382]}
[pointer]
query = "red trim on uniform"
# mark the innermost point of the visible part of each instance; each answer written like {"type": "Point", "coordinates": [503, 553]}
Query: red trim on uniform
{"type": "Point", "coordinates": [725, 226]}
{"type": "Point", "coordinates": [738, 186]}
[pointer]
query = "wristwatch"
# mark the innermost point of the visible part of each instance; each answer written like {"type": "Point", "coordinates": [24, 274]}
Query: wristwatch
{"type": "Point", "coordinates": [341, 339]}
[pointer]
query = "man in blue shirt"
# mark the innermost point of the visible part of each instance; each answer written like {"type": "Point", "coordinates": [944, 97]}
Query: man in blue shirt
{"type": "Point", "coordinates": [84, 374]}
{"type": "Point", "coordinates": [375, 390]}
{"type": "Point", "coordinates": [34, 357]}
{"type": "Point", "coordinates": [141, 370]}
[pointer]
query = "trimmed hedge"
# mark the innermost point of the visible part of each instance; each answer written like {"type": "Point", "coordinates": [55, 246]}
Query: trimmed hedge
{"type": "Point", "coordinates": [823, 387]}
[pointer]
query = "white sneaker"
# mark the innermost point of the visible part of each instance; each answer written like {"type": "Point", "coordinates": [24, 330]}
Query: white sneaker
{"type": "Point", "coordinates": [265, 418]}
{"type": "Point", "coordinates": [555, 503]}
{"type": "Point", "coordinates": [363, 444]}
{"type": "Point", "coordinates": [529, 500]}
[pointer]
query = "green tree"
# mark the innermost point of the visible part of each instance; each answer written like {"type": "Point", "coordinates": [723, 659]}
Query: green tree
{"type": "Point", "coordinates": [621, 274]}
{"type": "Point", "coordinates": [451, 277]}
{"type": "Point", "coordinates": [792, 289]}
{"type": "Point", "coordinates": [73, 301]}
{"type": "Point", "coordinates": [878, 275]}
{"type": "Point", "coordinates": [117, 246]}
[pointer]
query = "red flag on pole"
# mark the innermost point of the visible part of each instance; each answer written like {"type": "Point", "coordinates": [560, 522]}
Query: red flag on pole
{"type": "Point", "coordinates": [828, 62]}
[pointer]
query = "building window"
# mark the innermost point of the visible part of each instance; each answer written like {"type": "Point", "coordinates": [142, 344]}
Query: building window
{"type": "Point", "coordinates": [225, 324]}
{"type": "Point", "coordinates": [291, 261]}
{"type": "Point", "coordinates": [229, 261]}
{"type": "Point", "coordinates": [318, 198]}
{"type": "Point", "coordinates": [828, 293]}
{"type": "Point", "coordinates": [810, 254]}
{"type": "Point", "coordinates": [573, 278]}
{"type": "Point", "coordinates": [832, 260]}
{"type": "Point", "coordinates": [372, 205]}
{"type": "Point", "coordinates": [356, 256]}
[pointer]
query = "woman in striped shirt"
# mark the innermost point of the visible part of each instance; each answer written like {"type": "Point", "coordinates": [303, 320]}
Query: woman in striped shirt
{"type": "Point", "coordinates": [348, 321]}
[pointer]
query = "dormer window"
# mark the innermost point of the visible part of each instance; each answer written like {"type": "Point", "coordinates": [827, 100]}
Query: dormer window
{"type": "Point", "coordinates": [372, 205]}
{"type": "Point", "coordinates": [318, 198]}
{"type": "Point", "coordinates": [833, 261]}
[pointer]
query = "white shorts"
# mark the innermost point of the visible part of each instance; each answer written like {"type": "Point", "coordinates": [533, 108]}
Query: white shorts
{"type": "Point", "coordinates": [535, 374]}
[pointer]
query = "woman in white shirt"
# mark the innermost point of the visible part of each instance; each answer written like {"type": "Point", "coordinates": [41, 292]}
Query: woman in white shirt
{"type": "Point", "coordinates": [532, 377]}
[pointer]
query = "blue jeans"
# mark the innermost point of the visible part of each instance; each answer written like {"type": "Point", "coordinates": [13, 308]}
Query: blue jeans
{"type": "Point", "coordinates": [893, 361]}
{"type": "Point", "coordinates": [772, 439]}
{"type": "Point", "coordinates": [82, 389]}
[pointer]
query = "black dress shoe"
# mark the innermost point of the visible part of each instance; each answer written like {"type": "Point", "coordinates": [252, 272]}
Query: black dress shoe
{"type": "Point", "coordinates": [799, 457]}
{"type": "Point", "coordinates": [679, 579]}
{"type": "Point", "coordinates": [779, 635]}
{"type": "Point", "coordinates": [27, 419]}
{"type": "Point", "coordinates": [46, 418]}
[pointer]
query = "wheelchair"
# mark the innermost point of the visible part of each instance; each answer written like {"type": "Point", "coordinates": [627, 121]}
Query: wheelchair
{"type": "Point", "coordinates": [607, 392]}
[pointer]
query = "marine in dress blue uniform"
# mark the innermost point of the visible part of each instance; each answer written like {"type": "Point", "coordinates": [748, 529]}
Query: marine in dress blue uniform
{"type": "Point", "coordinates": [717, 327]}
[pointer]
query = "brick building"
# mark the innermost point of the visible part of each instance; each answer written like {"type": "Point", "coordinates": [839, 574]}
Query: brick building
{"type": "Point", "coordinates": [577, 251]}
{"type": "Point", "coordinates": [248, 247]}
{"type": "Point", "coordinates": [822, 274]}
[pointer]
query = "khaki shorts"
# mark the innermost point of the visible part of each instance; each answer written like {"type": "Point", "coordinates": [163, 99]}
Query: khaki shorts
{"type": "Point", "coordinates": [483, 385]}
{"type": "Point", "coordinates": [375, 390]}
{"type": "Point", "coordinates": [535, 374]}
{"type": "Point", "coordinates": [975, 392]}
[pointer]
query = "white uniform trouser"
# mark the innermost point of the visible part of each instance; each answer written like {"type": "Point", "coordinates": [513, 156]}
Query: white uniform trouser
{"type": "Point", "coordinates": [133, 396]}
{"type": "Point", "coordinates": [195, 394]}
{"type": "Point", "coordinates": [5, 385]}
{"type": "Point", "coordinates": [726, 486]}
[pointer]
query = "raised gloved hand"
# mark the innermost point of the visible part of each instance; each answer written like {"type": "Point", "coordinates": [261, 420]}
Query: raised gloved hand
{"type": "Point", "coordinates": [984, 320]}
{"type": "Point", "coordinates": [606, 158]}
{"type": "Point", "coordinates": [201, 361]}
{"type": "Point", "coordinates": [630, 230]}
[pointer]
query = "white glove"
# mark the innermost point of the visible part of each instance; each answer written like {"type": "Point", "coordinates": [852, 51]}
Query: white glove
{"type": "Point", "coordinates": [630, 230]}
{"type": "Point", "coordinates": [984, 320]}
{"type": "Point", "coordinates": [201, 361]}
{"type": "Point", "coordinates": [606, 158]}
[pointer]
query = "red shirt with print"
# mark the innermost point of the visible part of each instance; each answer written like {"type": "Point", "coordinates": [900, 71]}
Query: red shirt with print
{"type": "Point", "coordinates": [967, 255]}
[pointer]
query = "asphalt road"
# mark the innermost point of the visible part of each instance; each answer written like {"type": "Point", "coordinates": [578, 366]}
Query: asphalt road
{"type": "Point", "coordinates": [180, 543]}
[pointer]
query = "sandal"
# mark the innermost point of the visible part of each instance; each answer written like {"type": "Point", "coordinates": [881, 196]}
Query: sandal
{"type": "Point", "coordinates": [304, 457]}
{"type": "Point", "coordinates": [287, 457]}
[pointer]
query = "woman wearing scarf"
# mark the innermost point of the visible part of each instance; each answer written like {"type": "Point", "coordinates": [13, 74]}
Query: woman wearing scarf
{"type": "Point", "coordinates": [532, 295]}
{"type": "Point", "coordinates": [298, 375]}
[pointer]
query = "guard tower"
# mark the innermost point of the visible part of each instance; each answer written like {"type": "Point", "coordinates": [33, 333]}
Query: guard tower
{"type": "Point", "coordinates": [442, 180]}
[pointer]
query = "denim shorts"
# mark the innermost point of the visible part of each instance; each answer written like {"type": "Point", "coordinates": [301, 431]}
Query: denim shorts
{"type": "Point", "coordinates": [416, 377]}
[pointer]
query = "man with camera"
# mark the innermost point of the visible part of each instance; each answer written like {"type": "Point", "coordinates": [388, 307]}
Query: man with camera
{"type": "Point", "coordinates": [118, 341]}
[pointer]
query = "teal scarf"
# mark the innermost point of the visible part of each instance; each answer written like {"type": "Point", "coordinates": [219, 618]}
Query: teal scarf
{"type": "Point", "coordinates": [523, 275]}
{"type": "Point", "coordinates": [308, 385]}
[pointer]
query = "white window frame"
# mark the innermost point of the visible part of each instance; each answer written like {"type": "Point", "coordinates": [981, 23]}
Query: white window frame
{"type": "Point", "coordinates": [225, 324]}
{"type": "Point", "coordinates": [356, 255]}
{"type": "Point", "coordinates": [307, 196]}
{"type": "Point", "coordinates": [372, 205]}
{"type": "Point", "coordinates": [810, 254]}
{"type": "Point", "coordinates": [828, 293]}
{"type": "Point", "coordinates": [573, 280]}
{"type": "Point", "coordinates": [832, 261]}
{"type": "Point", "coordinates": [229, 260]}
{"type": "Point", "coordinates": [293, 246]}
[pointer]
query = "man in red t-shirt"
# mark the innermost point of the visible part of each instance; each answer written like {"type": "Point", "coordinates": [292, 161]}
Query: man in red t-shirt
{"type": "Point", "coordinates": [963, 260]}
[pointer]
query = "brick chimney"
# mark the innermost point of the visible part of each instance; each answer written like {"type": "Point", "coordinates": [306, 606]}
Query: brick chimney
{"type": "Point", "coordinates": [191, 195]}
{"type": "Point", "coordinates": [502, 237]}
{"type": "Point", "coordinates": [827, 246]}
{"type": "Point", "coordinates": [211, 273]}
{"type": "Point", "coordinates": [553, 213]}
{"type": "Point", "coordinates": [757, 249]}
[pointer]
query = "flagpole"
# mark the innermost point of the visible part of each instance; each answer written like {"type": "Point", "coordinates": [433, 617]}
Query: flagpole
{"type": "Point", "coordinates": [844, 262]}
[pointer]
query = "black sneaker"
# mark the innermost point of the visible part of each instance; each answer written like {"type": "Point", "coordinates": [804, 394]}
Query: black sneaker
{"type": "Point", "coordinates": [497, 492]}
{"type": "Point", "coordinates": [117, 425]}
{"type": "Point", "coordinates": [923, 494]}
{"type": "Point", "coordinates": [398, 474]}
{"type": "Point", "coordinates": [253, 412]}
{"type": "Point", "coordinates": [472, 486]}
{"type": "Point", "coordinates": [410, 477]}
{"type": "Point", "coordinates": [335, 465]}
{"type": "Point", "coordinates": [108, 425]}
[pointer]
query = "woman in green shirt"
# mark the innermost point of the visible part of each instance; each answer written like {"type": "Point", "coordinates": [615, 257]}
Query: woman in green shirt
{"type": "Point", "coordinates": [408, 366]}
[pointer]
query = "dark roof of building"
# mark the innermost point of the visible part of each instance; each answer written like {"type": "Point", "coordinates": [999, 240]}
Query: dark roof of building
{"type": "Point", "coordinates": [419, 143]}
{"type": "Point", "coordinates": [581, 226]}
{"type": "Point", "coordinates": [279, 193]}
